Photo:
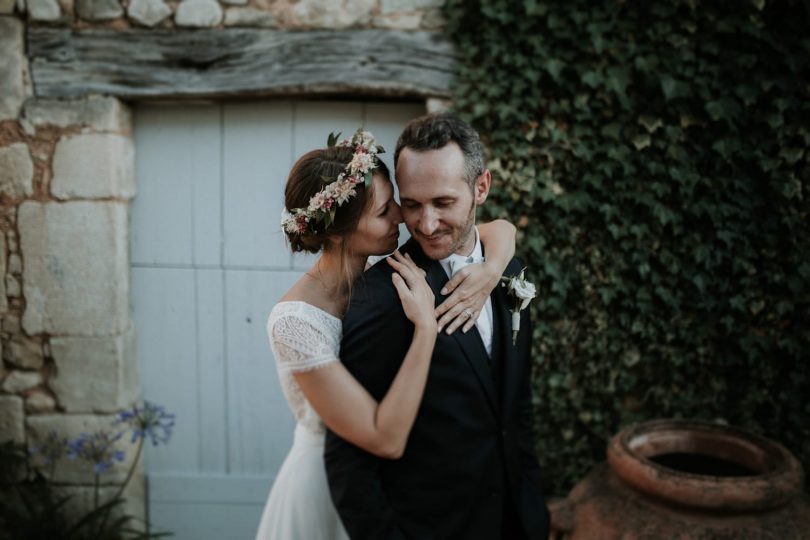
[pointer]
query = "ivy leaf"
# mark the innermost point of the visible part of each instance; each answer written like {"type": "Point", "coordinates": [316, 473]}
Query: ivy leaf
{"type": "Point", "coordinates": [641, 141]}
{"type": "Point", "coordinates": [673, 88]}
{"type": "Point", "coordinates": [725, 108]}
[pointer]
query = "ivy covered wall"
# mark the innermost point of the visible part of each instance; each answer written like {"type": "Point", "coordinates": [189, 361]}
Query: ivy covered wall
{"type": "Point", "coordinates": [655, 158]}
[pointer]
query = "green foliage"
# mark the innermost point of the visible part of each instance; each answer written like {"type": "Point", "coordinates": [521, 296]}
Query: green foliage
{"type": "Point", "coordinates": [655, 156]}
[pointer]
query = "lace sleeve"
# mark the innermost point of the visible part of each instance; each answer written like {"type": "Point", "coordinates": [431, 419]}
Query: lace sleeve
{"type": "Point", "coordinates": [298, 344]}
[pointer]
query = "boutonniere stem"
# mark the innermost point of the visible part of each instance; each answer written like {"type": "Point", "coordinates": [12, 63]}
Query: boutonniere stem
{"type": "Point", "coordinates": [522, 291]}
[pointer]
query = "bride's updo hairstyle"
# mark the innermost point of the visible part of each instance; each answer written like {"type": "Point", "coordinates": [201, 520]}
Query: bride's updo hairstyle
{"type": "Point", "coordinates": [307, 179]}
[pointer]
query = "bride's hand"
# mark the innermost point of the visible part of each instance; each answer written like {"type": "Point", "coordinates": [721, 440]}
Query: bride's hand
{"type": "Point", "coordinates": [414, 292]}
{"type": "Point", "coordinates": [470, 288]}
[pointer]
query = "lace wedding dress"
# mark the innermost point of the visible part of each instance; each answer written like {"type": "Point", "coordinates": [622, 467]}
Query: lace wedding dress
{"type": "Point", "coordinates": [302, 338]}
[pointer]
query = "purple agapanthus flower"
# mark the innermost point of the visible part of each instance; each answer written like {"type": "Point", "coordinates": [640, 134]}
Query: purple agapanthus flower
{"type": "Point", "coordinates": [51, 449]}
{"type": "Point", "coordinates": [150, 421]}
{"type": "Point", "coordinates": [96, 448]}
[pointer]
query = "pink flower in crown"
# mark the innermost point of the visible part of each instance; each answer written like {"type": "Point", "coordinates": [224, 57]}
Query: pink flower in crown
{"type": "Point", "coordinates": [362, 162]}
{"type": "Point", "coordinates": [296, 224]}
{"type": "Point", "coordinates": [344, 192]}
{"type": "Point", "coordinates": [317, 200]}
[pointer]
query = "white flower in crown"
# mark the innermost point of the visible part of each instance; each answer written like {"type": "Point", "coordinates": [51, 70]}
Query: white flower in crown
{"type": "Point", "coordinates": [324, 204]}
{"type": "Point", "coordinates": [522, 290]}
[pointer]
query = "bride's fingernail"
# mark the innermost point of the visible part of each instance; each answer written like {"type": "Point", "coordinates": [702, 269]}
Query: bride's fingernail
{"type": "Point", "coordinates": [444, 290]}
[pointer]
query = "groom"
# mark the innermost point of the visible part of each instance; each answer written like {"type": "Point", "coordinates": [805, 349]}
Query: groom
{"type": "Point", "coordinates": [469, 469]}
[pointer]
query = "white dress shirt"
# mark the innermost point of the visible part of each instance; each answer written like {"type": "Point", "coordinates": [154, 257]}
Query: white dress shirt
{"type": "Point", "coordinates": [484, 321]}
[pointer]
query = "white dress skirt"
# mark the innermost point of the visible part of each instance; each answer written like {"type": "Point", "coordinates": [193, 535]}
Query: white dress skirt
{"type": "Point", "coordinates": [299, 507]}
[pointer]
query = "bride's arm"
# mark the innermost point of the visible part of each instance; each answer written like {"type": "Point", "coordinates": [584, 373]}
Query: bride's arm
{"type": "Point", "coordinates": [472, 285]}
{"type": "Point", "coordinates": [349, 410]}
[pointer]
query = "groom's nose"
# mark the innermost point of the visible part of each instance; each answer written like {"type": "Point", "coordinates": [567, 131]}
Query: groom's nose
{"type": "Point", "coordinates": [428, 221]}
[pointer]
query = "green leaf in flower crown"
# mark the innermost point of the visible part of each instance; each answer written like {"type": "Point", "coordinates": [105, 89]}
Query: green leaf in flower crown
{"type": "Point", "coordinates": [380, 149]}
{"type": "Point", "coordinates": [333, 139]}
{"type": "Point", "coordinates": [327, 219]}
{"type": "Point", "coordinates": [326, 179]}
{"type": "Point", "coordinates": [367, 179]}
{"type": "Point", "coordinates": [332, 214]}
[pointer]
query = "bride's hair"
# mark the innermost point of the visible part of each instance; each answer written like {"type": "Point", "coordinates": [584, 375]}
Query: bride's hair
{"type": "Point", "coordinates": [307, 179]}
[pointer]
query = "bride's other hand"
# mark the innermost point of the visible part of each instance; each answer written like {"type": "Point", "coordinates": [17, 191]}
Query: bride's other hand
{"type": "Point", "coordinates": [469, 290]}
{"type": "Point", "coordinates": [414, 292]}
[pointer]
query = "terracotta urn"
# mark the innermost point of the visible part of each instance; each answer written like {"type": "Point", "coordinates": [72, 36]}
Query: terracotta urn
{"type": "Point", "coordinates": [688, 480]}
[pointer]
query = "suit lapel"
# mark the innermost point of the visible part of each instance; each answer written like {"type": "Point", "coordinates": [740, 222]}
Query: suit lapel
{"type": "Point", "coordinates": [502, 306]}
{"type": "Point", "coordinates": [470, 343]}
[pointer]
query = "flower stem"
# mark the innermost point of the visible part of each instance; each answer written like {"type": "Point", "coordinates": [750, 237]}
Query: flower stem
{"type": "Point", "coordinates": [131, 469]}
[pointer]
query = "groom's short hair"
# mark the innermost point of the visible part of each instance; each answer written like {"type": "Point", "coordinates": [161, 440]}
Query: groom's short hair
{"type": "Point", "coordinates": [434, 131]}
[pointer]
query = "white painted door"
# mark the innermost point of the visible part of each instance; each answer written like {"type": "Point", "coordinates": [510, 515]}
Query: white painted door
{"type": "Point", "coordinates": [208, 263]}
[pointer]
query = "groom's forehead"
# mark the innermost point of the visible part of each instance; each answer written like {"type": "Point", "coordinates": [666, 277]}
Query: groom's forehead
{"type": "Point", "coordinates": [438, 165]}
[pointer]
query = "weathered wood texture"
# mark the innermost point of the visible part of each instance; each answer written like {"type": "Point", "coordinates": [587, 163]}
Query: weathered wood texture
{"type": "Point", "coordinates": [143, 64]}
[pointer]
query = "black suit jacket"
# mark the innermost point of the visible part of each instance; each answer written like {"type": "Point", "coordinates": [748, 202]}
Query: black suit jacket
{"type": "Point", "coordinates": [471, 446]}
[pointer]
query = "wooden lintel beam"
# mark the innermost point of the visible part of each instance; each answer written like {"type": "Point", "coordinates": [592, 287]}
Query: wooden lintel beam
{"type": "Point", "coordinates": [157, 64]}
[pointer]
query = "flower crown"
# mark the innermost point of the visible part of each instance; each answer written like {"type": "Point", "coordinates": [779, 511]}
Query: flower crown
{"type": "Point", "coordinates": [324, 204]}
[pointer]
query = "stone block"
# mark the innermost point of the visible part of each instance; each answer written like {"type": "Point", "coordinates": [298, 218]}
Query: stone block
{"type": "Point", "coordinates": [20, 381]}
{"type": "Point", "coordinates": [15, 264]}
{"type": "Point", "coordinates": [95, 165]}
{"type": "Point", "coordinates": [11, 323]}
{"type": "Point", "coordinates": [71, 426]}
{"type": "Point", "coordinates": [12, 286]}
{"type": "Point", "coordinates": [11, 419]}
{"type": "Point", "coordinates": [98, 113]}
{"type": "Point", "coordinates": [16, 171]}
{"type": "Point", "coordinates": [249, 17]}
{"type": "Point", "coordinates": [76, 275]}
{"type": "Point", "coordinates": [198, 13]}
{"type": "Point", "coordinates": [399, 21]}
{"type": "Point", "coordinates": [95, 374]}
{"type": "Point", "coordinates": [38, 402]}
{"type": "Point", "coordinates": [23, 353]}
{"type": "Point", "coordinates": [81, 500]}
{"type": "Point", "coordinates": [334, 14]}
{"type": "Point", "coordinates": [13, 66]}
{"type": "Point", "coordinates": [148, 12]}
{"type": "Point", "coordinates": [98, 10]}
{"type": "Point", "coordinates": [395, 6]}
{"type": "Point", "coordinates": [44, 10]}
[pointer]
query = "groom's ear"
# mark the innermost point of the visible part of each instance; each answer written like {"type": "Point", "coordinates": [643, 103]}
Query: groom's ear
{"type": "Point", "coordinates": [481, 186]}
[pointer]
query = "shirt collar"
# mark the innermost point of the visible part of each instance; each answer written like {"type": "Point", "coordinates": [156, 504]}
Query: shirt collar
{"type": "Point", "coordinates": [476, 254]}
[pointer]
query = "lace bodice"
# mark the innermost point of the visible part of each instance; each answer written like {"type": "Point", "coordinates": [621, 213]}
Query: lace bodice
{"type": "Point", "coordinates": [302, 337]}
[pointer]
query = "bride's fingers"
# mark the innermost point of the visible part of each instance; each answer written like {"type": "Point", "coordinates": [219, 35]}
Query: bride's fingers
{"type": "Point", "coordinates": [402, 288]}
{"type": "Point", "coordinates": [450, 316]}
{"type": "Point", "coordinates": [464, 317]}
{"type": "Point", "coordinates": [455, 281]}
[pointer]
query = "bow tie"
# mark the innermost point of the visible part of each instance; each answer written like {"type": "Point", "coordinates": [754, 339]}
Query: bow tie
{"type": "Point", "coordinates": [457, 264]}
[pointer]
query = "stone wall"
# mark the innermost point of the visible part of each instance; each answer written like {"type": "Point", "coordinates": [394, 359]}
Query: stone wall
{"type": "Point", "coordinates": [67, 340]}
{"type": "Point", "coordinates": [282, 14]}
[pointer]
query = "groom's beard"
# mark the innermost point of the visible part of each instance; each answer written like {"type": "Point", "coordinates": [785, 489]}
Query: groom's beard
{"type": "Point", "coordinates": [461, 238]}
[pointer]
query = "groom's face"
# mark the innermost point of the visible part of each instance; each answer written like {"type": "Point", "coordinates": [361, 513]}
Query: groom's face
{"type": "Point", "coordinates": [438, 205]}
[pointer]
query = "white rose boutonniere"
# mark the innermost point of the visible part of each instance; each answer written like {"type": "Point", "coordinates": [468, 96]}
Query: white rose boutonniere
{"type": "Point", "coordinates": [522, 291]}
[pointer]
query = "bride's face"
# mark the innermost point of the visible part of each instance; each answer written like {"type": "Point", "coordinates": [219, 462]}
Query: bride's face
{"type": "Point", "coordinates": [377, 232]}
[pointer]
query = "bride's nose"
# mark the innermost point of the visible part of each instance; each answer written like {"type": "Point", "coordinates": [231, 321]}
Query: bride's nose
{"type": "Point", "coordinates": [397, 214]}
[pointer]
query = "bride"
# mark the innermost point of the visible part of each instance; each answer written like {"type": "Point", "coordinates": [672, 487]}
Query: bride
{"type": "Point", "coordinates": [340, 203]}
